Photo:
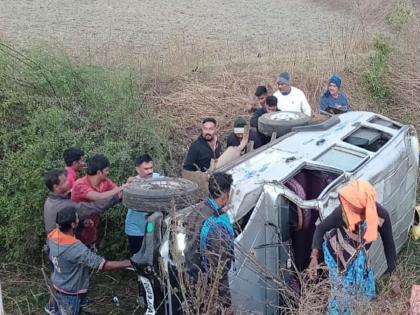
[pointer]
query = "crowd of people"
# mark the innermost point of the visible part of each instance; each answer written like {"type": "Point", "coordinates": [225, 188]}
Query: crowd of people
{"type": "Point", "coordinates": [73, 209]}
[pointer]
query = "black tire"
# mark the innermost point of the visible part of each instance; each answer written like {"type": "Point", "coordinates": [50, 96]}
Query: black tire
{"type": "Point", "coordinates": [160, 194]}
{"type": "Point", "coordinates": [281, 122]}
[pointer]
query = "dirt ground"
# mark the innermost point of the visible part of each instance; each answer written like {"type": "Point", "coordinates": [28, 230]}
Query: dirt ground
{"type": "Point", "coordinates": [95, 25]}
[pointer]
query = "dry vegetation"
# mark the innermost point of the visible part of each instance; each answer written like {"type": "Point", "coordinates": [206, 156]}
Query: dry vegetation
{"type": "Point", "coordinates": [193, 86]}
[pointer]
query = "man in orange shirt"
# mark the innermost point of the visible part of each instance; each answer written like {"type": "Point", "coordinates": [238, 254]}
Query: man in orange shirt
{"type": "Point", "coordinates": [93, 187]}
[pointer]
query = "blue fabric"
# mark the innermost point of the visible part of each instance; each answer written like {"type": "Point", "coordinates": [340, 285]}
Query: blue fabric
{"type": "Point", "coordinates": [335, 79]}
{"type": "Point", "coordinates": [219, 223]}
{"type": "Point", "coordinates": [135, 221]}
{"type": "Point", "coordinates": [66, 304]}
{"type": "Point", "coordinates": [328, 101]}
{"type": "Point", "coordinates": [357, 282]}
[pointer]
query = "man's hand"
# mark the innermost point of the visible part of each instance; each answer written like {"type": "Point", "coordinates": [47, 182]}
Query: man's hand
{"type": "Point", "coordinates": [124, 186]}
{"type": "Point", "coordinates": [130, 179]}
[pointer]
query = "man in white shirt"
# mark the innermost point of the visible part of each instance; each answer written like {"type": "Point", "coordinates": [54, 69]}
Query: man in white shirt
{"type": "Point", "coordinates": [290, 98]}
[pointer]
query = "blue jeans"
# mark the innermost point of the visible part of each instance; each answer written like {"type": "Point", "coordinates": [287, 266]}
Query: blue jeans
{"type": "Point", "coordinates": [65, 304]}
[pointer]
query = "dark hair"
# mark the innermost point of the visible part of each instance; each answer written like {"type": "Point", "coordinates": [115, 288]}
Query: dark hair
{"type": "Point", "coordinates": [209, 119]}
{"type": "Point", "coordinates": [261, 90]}
{"type": "Point", "coordinates": [52, 178]}
{"type": "Point", "coordinates": [219, 183]}
{"type": "Point", "coordinates": [144, 158]}
{"type": "Point", "coordinates": [271, 100]}
{"type": "Point", "coordinates": [97, 163]}
{"type": "Point", "coordinates": [71, 155]}
{"type": "Point", "coordinates": [65, 217]}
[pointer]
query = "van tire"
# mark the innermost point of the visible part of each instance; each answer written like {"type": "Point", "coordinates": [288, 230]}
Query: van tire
{"type": "Point", "coordinates": [281, 122]}
{"type": "Point", "coordinates": [161, 194]}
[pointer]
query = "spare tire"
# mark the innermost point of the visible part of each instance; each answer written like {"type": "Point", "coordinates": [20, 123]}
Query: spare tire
{"type": "Point", "coordinates": [161, 194]}
{"type": "Point", "coordinates": [281, 122]}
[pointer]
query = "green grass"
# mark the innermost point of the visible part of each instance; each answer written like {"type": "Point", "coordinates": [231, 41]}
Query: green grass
{"type": "Point", "coordinates": [49, 103]}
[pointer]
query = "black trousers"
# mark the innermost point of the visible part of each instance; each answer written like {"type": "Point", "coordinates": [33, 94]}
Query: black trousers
{"type": "Point", "coordinates": [134, 243]}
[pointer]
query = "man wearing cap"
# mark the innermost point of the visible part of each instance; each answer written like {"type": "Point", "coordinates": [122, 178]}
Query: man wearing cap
{"type": "Point", "coordinates": [333, 100]}
{"type": "Point", "coordinates": [235, 138]}
{"type": "Point", "coordinates": [290, 98]}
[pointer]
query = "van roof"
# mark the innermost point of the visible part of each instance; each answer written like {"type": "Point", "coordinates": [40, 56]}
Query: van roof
{"type": "Point", "coordinates": [319, 145]}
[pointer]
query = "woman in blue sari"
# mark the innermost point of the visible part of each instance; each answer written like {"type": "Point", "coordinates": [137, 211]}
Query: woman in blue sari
{"type": "Point", "coordinates": [353, 226]}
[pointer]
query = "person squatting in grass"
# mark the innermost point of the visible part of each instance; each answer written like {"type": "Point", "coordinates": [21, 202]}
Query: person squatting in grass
{"type": "Point", "coordinates": [205, 148]}
{"type": "Point", "coordinates": [333, 100]}
{"type": "Point", "coordinates": [72, 261]}
{"type": "Point", "coordinates": [96, 185]}
{"type": "Point", "coordinates": [354, 225]}
{"type": "Point", "coordinates": [75, 162]}
{"type": "Point", "coordinates": [135, 221]}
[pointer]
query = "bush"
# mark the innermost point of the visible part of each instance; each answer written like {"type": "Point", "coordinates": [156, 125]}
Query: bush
{"type": "Point", "coordinates": [48, 104]}
{"type": "Point", "coordinates": [375, 77]}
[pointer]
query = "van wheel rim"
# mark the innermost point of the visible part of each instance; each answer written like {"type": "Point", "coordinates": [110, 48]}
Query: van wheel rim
{"type": "Point", "coordinates": [284, 116]}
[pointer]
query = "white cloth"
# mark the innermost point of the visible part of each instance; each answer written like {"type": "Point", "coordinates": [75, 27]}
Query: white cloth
{"type": "Point", "coordinates": [295, 101]}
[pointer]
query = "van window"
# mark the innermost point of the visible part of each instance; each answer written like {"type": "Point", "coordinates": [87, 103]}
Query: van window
{"type": "Point", "coordinates": [368, 138]}
{"type": "Point", "coordinates": [342, 158]}
{"type": "Point", "coordinates": [309, 183]}
{"type": "Point", "coordinates": [383, 122]}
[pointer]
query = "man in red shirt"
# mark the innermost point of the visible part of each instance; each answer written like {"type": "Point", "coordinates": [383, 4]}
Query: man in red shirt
{"type": "Point", "coordinates": [94, 186]}
{"type": "Point", "coordinates": [74, 159]}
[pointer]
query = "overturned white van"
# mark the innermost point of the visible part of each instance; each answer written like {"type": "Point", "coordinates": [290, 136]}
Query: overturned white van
{"type": "Point", "coordinates": [304, 170]}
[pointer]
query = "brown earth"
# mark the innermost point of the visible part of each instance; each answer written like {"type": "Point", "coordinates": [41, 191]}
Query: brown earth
{"type": "Point", "coordinates": [155, 27]}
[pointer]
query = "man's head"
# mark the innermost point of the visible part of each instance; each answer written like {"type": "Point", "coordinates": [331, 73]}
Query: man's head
{"type": "Point", "coordinates": [220, 185]}
{"type": "Point", "coordinates": [261, 94]}
{"type": "Point", "coordinates": [239, 127]}
{"type": "Point", "coordinates": [144, 166]}
{"type": "Point", "coordinates": [283, 82]}
{"type": "Point", "coordinates": [67, 219]}
{"type": "Point", "coordinates": [209, 128]}
{"type": "Point", "coordinates": [271, 105]}
{"type": "Point", "coordinates": [56, 181]}
{"type": "Point", "coordinates": [98, 165]}
{"type": "Point", "coordinates": [74, 158]}
{"type": "Point", "coordinates": [334, 84]}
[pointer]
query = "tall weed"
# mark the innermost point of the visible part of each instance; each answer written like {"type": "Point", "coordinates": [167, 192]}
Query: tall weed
{"type": "Point", "coordinates": [48, 104]}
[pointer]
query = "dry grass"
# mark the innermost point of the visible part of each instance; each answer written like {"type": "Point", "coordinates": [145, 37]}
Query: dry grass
{"type": "Point", "coordinates": [228, 93]}
{"type": "Point", "coordinates": [195, 85]}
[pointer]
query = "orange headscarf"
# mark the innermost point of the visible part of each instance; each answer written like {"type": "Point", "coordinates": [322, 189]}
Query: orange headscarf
{"type": "Point", "coordinates": [360, 194]}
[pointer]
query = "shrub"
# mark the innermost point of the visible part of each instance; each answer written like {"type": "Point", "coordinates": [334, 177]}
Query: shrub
{"type": "Point", "coordinates": [47, 104]}
{"type": "Point", "coordinates": [375, 77]}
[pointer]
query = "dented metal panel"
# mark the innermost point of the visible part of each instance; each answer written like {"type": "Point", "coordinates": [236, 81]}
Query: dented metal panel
{"type": "Point", "coordinates": [259, 179]}
{"type": "Point", "coordinates": [392, 170]}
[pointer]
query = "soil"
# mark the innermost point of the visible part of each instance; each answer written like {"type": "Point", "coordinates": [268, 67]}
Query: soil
{"type": "Point", "coordinates": [93, 25]}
